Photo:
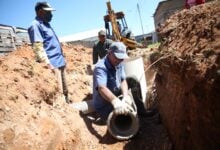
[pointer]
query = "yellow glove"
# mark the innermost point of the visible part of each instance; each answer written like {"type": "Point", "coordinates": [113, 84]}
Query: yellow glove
{"type": "Point", "coordinates": [40, 54]}
{"type": "Point", "coordinates": [93, 67]}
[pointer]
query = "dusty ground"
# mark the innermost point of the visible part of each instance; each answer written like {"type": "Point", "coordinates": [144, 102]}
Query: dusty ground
{"type": "Point", "coordinates": [32, 117]}
{"type": "Point", "coordinates": [187, 93]}
{"type": "Point", "coordinates": [188, 79]}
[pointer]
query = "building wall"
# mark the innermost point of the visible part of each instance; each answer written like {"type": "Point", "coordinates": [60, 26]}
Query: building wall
{"type": "Point", "coordinates": [166, 9]}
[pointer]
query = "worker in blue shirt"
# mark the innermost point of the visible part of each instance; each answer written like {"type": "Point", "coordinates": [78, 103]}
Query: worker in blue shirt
{"type": "Point", "coordinates": [109, 81]}
{"type": "Point", "coordinates": [46, 45]}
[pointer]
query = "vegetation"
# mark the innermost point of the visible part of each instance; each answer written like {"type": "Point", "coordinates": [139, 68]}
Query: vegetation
{"type": "Point", "coordinates": [154, 45]}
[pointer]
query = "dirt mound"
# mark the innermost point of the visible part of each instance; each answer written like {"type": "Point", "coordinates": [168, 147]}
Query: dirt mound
{"type": "Point", "coordinates": [188, 79]}
{"type": "Point", "coordinates": [32, 116]}
{"type": "Point", "coordinates": [27, 115]}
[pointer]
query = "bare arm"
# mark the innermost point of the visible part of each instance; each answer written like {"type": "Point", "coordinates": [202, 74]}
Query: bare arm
{"type": "Point", "coordinates": [124, 88]}
{"type": "Point", "coordinates": [106, 93]}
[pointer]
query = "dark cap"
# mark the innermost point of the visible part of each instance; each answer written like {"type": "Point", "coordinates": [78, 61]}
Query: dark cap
{"type": "Point", "coordinates": [119, 50]}
{"type": "Point", "coordinates": [43, 5]}
{"type": "Point", "coordinates": [101, 32]}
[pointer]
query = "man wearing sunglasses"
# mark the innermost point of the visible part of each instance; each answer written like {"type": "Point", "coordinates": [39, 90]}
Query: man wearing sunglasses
{"type": "Point", "coordinates": [46, 45]}
{"type": "Point", "coordinates": [109, 81]}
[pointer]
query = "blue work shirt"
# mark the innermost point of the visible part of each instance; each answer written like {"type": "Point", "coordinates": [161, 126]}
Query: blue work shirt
{"type": "Point", "coordinates": [106, 75]}
{"type": "Point", "coordinates": [40, 31]}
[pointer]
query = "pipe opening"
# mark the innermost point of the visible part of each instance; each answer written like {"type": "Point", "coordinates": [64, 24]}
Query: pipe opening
{"type": "Point", "coordinates": [122, 122]}
{"type": "Point", "coordinates": [123, 127]}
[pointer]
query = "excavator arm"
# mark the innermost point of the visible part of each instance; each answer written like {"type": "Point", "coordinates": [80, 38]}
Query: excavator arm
{"type": "Point", "coordinates": [112, 19]}
{"type": "Point", "coordinates": [116, 33]}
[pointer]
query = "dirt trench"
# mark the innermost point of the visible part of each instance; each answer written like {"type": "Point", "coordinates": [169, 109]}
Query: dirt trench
{"type": "Point", "coordinates": [186, 91]}
{"type": "Point", "coordinates": [33, 117]}
{"type": "Point", "coordinates": [188, 77]}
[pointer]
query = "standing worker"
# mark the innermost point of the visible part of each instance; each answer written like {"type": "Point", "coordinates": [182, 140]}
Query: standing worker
{"type": "Point", "coordinates": [100, 48]}
{"type": "Point", "coordinates": [46, 45]}
{"type": "Point", "coordinates": [109, 81]}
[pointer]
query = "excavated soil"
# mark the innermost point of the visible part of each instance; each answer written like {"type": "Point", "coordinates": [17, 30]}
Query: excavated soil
{"type": "Point", "coordinates": [186, 69]}
{"type": "Point", "coordinates": [188, 78]}
{"type": "Point", "coordinates": [32, 116]}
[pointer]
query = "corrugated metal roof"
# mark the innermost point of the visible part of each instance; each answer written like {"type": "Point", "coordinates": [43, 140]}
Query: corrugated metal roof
{"type": "Point", "coordinates": [80, 36]}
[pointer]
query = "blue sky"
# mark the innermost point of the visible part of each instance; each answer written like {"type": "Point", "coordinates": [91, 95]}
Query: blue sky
{"type": "Point", "coordinates": [74, 16]}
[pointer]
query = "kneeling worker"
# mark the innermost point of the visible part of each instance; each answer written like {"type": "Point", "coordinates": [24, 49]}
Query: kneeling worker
{"type": "Point", "coordinates": [109, 81]}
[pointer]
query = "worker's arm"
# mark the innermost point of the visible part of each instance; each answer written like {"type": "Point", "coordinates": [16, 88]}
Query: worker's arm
{"type": "Point", "coordinates": [106, 93]}
{"type": "Point", "coordinates": [100, 80]}
{"type": "Point", "coordinates": [124, 88]}
{"type": "Point", "coordinates": [40, 53]}
{"type": "Point", "coordinates": [36, 39]}
{"type": "Point", "coordinates": [126, 97]}
{"type": "Point", "coordinates": [119, 106]}
{"type": "Point", "coordinates": [124, 85]}
{"type": "Point", "coordinates": [100, 76]}
{"type": "Point", "coordinates": [95, 55]}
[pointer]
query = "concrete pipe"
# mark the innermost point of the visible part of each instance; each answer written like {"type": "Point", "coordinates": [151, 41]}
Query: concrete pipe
{"type": "Point", "coordinates": [123, 127]}
{"type": "Point", "coordinates": [134, 69]}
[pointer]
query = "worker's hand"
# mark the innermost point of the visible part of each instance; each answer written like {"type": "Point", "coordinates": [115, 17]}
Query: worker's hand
{"type": "Point", "coordinates": [51, 66]}
{"type": "Point", "coordinates": [40, 54]}
{"type": "Point", "coordinates": [120, 107]}
{"type": "Point", "coordinates": [48, 66]}
{"type": "Point", "coordinates": [127, 99]}
{"type": "Point", "coordinates": [93, 67]}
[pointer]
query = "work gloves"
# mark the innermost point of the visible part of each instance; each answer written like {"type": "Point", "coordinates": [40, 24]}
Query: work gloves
{"type": "Point", "coordinates": [121, 106]}
{"type": "Point", "coordinates": [40, 54]}
{"type": "Point", "coordinates": [127, 99]}
{"type": "Point", "coordinates": [93, 67]}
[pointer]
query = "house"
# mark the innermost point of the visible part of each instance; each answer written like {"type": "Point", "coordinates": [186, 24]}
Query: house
{"type": "Point", "coordinates": [165, 9]}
